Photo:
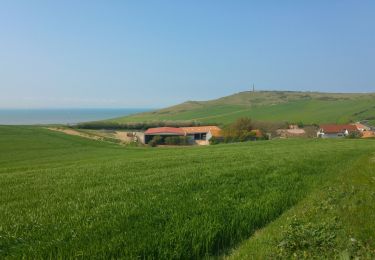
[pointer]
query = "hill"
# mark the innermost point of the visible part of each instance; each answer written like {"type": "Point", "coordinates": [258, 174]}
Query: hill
{"type": "Point", "coordinates": [287, 106]}
{"type": "Point", "coordinates": [65, 196]}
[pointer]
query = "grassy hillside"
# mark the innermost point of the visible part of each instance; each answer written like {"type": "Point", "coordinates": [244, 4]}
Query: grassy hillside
{"type": "Point", "coordinates": [307, 107]}
{"type": "Point", "coordinates": [66, 197]}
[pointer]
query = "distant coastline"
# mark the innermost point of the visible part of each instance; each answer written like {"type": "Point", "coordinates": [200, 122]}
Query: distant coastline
{"type": "Point", "coordinates": [62, 115]}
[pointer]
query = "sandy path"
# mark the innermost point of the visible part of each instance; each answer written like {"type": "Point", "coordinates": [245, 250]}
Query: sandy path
{"type": "Point", "coordinates": [75, 132]}
{"type": "Point", "coordinates": [135, 135]}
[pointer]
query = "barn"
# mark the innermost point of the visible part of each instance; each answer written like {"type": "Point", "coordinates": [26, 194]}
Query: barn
{"type": "Point", "coordinates": [196, 134]}
{"type": "Point", "coordinates": [163, 132]}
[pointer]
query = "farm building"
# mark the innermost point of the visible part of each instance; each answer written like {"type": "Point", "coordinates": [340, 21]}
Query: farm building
{"type": "Point", "coordinates": [202, 134]}
{"type": "Point", "coordinates": [199, 134]}
{"type": "Point", "coordinates": [163, 132]}
{"type": "Point", "coordinates": [335, 131]}
{"type": "Point", "coordinates": [291, 132]}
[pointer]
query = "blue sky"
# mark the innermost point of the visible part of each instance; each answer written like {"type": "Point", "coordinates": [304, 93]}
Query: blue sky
{"type": "Point", "coordinates": [158, 53]}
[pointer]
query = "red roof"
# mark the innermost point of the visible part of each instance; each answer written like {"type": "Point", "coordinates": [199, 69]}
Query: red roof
{"type": "Point", "coordinates": [338, 128]}
{"type": "Point", "coordinates": [165, 130]}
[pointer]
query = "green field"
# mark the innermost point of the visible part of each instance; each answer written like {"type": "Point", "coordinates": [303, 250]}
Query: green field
{"type": "Point", "coordinates": [306, 107]}
{"type": "Point", "coordinates": [335, 221]}
{"type": "Point", "coordinates": [67, 197]}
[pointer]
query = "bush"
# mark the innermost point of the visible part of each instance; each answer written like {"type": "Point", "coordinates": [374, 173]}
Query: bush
{"type": "Point", "coordinates": [242, 124]}
{"type": "Point", "coordinates": [266, 136]}
{"type": "Point", "coordinates": [215, 140]}
{"type": "Point", "coordinates": [152, 143]}
{"type": "Point", "coordinates": [246, 136]}
{"type": "Point", "coordinates": [228, 138]}
{"type": "Point", "coordinates": [240, 131]}
{"type": "Point", "coordinates": [354, 135]}
{"type": "Point", "coordinates": [157, 139]}
{"type": "Point", "coordinates": [171, 140]}
{"type": "Point", "coordinates": [300, 124]}
{"type": "Point", "coordinates": [184, 140]}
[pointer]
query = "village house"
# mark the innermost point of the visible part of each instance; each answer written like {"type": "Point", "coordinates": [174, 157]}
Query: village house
{"type": "Point", "coordinates": [362, 127]}
{"type": "Point", "coordinates": [366, 131]}
{"type": "Point", "coordinates": [200, 135]}
{"type": "Point", "coordinates": [336, 131]}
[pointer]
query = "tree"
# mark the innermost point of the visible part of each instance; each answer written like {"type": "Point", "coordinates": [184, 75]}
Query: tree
{"type": "Point", "coordinates": [239, 131]}
{"type": "Point", "coordinates": [243, 124]}
{"type": "Point", "coordinates": [157, 139]}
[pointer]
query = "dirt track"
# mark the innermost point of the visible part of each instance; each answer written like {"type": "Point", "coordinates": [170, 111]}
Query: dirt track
{"type": "Point", "coordinates": [75, 132]}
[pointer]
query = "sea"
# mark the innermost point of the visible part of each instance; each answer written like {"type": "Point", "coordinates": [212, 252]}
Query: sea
{"type": "Point", "coordinates": [62, 116]}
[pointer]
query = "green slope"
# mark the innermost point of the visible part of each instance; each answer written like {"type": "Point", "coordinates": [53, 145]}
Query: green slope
{"type": "Point", "coordinates": [66, 197]}
{"type": "Point", "coordinates": [307, 107]}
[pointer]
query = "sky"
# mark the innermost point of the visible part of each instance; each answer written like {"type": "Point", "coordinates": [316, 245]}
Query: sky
{"type": "Point", "coordinates": [150, 54]}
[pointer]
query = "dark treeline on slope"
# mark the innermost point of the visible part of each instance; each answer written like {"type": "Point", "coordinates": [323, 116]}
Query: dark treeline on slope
{"type": "Point", "coordinates": [135, 125]}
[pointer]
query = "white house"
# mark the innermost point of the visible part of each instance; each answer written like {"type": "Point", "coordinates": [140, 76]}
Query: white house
{"type": "Point", "coordinates": [335, 131]}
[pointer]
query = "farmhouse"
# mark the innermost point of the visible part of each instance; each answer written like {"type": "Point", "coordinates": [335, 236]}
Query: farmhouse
{"type": "Point", "coordinates": [198, 134]}
{"type": "Point", "coordinates": [335, 131]}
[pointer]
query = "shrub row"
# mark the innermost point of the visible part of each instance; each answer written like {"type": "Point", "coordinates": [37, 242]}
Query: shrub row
{"type": "Point", "coordinates": [135, 125]}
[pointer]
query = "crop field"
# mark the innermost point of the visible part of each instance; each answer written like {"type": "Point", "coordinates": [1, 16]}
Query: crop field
{"type": "Point", "coordinates": [65, 196]}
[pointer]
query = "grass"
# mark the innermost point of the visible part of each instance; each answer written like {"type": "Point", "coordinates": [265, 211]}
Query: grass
{"type": "Point", "coordinates": [305, 107]}
{"type": "Point", "coordinates": [336, 221]}
{"type": "Point", "coordinates": [67, 197]}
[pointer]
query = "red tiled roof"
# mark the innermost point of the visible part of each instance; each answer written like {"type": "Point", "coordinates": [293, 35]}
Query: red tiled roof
{"type": "Point", "coordinates": [199, 129]}
{"type": "Point", "coordinates": [338, 128]}
{"type": "Point", "coordinates": [165, 130]}
{"type": "Point", "coordinates": [216, 133]}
